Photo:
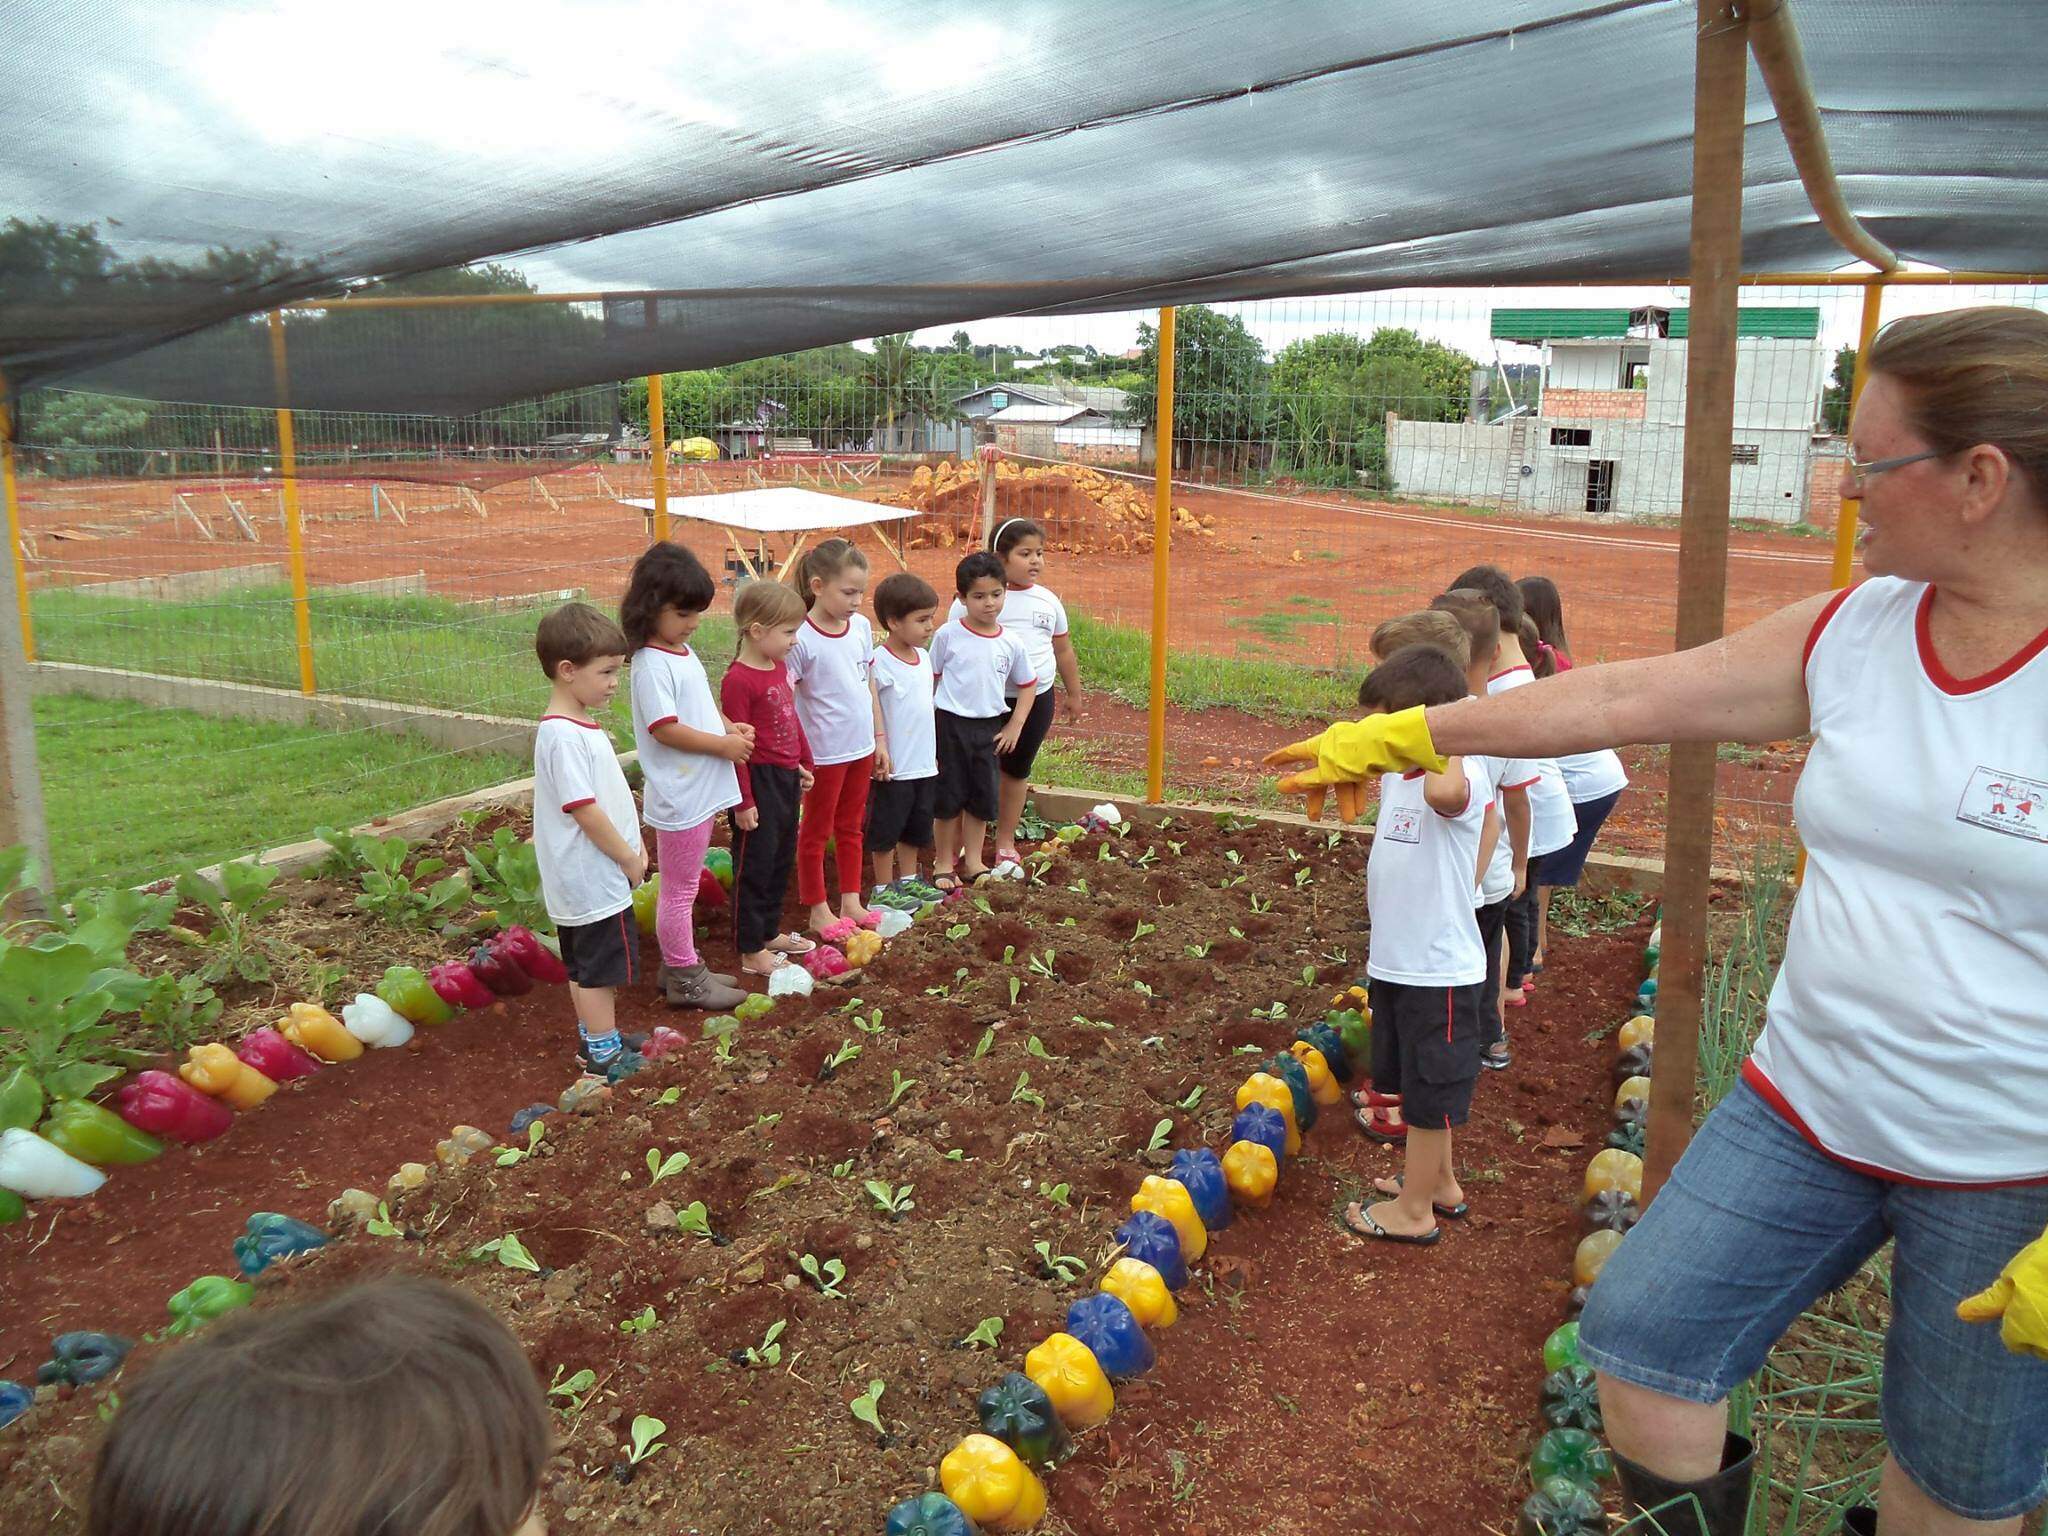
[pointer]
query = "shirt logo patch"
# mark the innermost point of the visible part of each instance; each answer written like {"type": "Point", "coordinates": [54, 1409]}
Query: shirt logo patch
{"type": "Point", "coordinates": [2006, 802]}
{"type": "Point", "coordinates": [1400, 826]}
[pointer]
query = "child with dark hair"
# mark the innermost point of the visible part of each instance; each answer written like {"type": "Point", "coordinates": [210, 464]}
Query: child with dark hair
{"type": "Point", "coordinates": [974, 662]}
{"type": "Point", "coordinates": [906, 744]}
{"type": "Point", "coordinates": [1425, 964]}
{"type": "Point", "coordinates": [586, 830]}
{"type": "Point", "coordinates": [687, 750]}
{"type": "Point", "coordinates": [401, 1406]}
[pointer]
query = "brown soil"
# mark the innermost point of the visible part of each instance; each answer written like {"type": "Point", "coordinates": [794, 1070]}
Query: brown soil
{"type": "Point", "coordinates": [1413, 1370]}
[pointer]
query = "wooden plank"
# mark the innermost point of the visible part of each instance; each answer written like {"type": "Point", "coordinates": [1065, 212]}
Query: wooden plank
{"type": "Point", "coordinates": [1721, 80]}
{"type": "Point", "coordinates": [241, 520]}
{"type": "Point", "coordinates": [475, 501]}
{"type": "Point", "coordinates": [547, 495]}
{"type": "Point", "coordinates": [180, 504]}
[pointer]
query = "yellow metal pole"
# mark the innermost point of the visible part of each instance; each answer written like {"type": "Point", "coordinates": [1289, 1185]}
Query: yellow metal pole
{"type": "Point", "coordinates": [288, 469]}
{"type": "Point", "coordinates": [28, 625]}
{"type": "Point", "coordinates": [1845, 520]}
{"type": "Point", "coordinates": [657, 445]}
{"type": "Point", "coordinates": [1162, 538]}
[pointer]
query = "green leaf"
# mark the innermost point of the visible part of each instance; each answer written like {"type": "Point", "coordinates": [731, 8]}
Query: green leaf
{"type": "Point", "coordinates": [985, 1334]}
{"type": "Point", "coordinates": [1160, 1133]}
{"type": "Point", "coordinates": [659, 1167]}
{"type": "Point", "coordinates": [866, 1407]}
{"type": "Point", "coordinates": [513, 1255]}
{"type": "Point", "coordinates": [647, 1432]}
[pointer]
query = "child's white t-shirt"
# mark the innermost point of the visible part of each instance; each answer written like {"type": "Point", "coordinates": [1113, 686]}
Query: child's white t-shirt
{"type": "Point", "coordinates": [1035, 616]}
{"type": "Point", "coordinates": [574, 765]}
{"type": "Point", "coordinates": [975, 675]}
{"type": "Point", "coordinates": [681, 789]}
{"type": "Point", "coordinates": [1418, 885]}
{"type": "Point", "coordinates": [1499, 880]}
{"type": "Point", "coordinates": [829, 674]}
{"type": "Point", "coordinates": [905, 689]}
{"type": "Point", "coordinates": [1552, 822]}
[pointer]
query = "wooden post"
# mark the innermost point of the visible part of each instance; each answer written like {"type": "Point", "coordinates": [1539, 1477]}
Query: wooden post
{"type": "Point", "coordinates": [10, 492]}
{"type": "Point", "coordinates": [21, 780]}
{"type": "Point", "coordinates": [657, 455]}
{"type": "Point", "coordinates": [990, 455]}
{"type": "Point", "coordinates": [1162, 538]}
{"type": "Point", "coordinates": [1721, 79]}
{"type": "Point", "coordinates": [288, 470]}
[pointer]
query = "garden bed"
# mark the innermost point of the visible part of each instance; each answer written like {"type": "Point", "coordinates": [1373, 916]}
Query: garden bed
{"type": "Point", "coordinates": [1405, 1378]}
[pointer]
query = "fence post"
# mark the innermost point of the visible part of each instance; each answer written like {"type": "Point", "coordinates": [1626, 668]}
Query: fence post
{"type": "Point", "coordinates": [288, 469]}
{"type": "Point", "coordinates": [657, 454]}
{"type": "Point", "coordinates": [1845, 519]}
{"type": "Point", "coordinates": [12, 497]}
{"type": "Point", "coordinates": [989, 453]}
{"type": "Point", "coordinates": [1162, 539]}
{"type": "Point", "coordinates": [21, 780]}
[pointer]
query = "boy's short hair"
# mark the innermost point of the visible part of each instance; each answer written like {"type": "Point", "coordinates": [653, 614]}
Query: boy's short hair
{"type": "Point", "coordinates": [1493, 584]}
{"type": "Point", "coordinates": [1426, 627]}
{"type": "Point", "coordinates": [903, 593]}
{"type": "Point", "coordinates": [1474, 613]}
{"type": "Point", "coordinates": [974, 568]}
{"type": "Point", "coordinates": [401, 1405]}
{"type": "Point", "coordinates": [578, 634]}
{"type": "Point", "coordinates": [1415, 674]}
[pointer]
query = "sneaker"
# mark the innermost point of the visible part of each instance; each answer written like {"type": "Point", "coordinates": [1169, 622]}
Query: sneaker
{"type": "Point", "coordinates": [923, 892]}
{"type": "Point", "coordinates": [894, 898]}
{"type": "Point", "coordinates": [693, 987]}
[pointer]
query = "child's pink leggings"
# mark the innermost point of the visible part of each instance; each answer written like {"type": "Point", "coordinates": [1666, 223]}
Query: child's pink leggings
{"type": "Point", "coordinates": [682, 863]}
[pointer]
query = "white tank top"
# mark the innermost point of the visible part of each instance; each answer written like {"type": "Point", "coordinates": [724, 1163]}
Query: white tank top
{"type": "Point", "coordinates": [1907, 1034]}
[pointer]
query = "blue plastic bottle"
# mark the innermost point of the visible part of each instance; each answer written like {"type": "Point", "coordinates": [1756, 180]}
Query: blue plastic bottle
{"type": "Point", "coordinates": [1109, 1329]}
{"type": "Point", "coordinates": [1152, 1238]}
{"type": "Point", "coordinates": [1265, 1125]}
{"type": "Point", "coordinates": [1201, 1173]}
{"type": "Point", "coordinates": [269, 1236]}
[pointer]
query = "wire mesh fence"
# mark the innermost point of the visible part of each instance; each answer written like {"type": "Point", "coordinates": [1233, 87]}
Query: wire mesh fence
{"type": "Point", "coordinates": [1335, 462]}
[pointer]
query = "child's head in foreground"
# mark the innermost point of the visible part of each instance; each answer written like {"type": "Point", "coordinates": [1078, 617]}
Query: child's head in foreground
{"type": "Point", "coordinates": [400, 1407]}
{"type": "Point", "coordinates": [1413, 675]}
{"type": "Point", "coordinates": [581, 650]}
{"type": "Point", "coordinates": [1426, 627]}
{"type": "Point", "coordinates": [907, 607]}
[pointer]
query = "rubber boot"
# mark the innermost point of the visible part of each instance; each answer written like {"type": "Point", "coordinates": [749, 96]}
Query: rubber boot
{"type": "Point", "coordinates": [692, 987]}
{"type": "Point", "coordinates": [1714, 1506]}
{"type": "Point", "coordinates": [1860, 1521]}
{"type": "Point", "coordinates": [661, 979]}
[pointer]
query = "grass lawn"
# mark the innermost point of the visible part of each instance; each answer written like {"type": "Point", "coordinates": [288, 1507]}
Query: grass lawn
{"type": "Point", "coordinates": [134, 793]}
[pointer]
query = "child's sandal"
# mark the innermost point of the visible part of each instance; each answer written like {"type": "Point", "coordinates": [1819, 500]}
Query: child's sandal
{"type": "Point", "coordinates": [836, 934]}
{"type": "Point", "coordinates": [790, 944]}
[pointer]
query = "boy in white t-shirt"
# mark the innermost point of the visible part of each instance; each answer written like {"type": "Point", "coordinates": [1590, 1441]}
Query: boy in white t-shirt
{"type": "Point", "coordinates": [974, 660]}
{"type": "Point", "coordinates": [906, 746]}
{"type": "Point", "coordinates": [586, 831]}
{"type": "Point", "coordinates": [1425, 963]}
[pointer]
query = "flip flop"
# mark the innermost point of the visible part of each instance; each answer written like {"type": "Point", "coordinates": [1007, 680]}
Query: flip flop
{"type": "Point", "coordinates": [1361, 1224]}
{"type": "Point", "coordinates": [1499, 1063]}
{"type": "Point", "coordinates": [945, 882]}
{"type": "Point", "coordinates": [1366, 1098]}
{"type": "Point", "coordinates": [1374, 1123]}
{"type": "Point", "coordinates": [836, 933]}
{"type": "Point", "coordinates": [748, 970]}
{"type": "Point", "coordinates": [790, 944]}
{"type": "Point", "coordinates": [1456, 1212]}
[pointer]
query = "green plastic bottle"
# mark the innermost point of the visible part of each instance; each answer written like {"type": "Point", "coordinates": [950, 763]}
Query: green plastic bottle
{"type": "Point", "coordinates": [1571, 1453]}
{"type": "Point", "coordinates": [12, 1207]}
{"type": "Point", "coordinates": [97, 1136]}
{"type": "Point", "coordinates": [412, 997]}
{"type": "Point", "coordinates": [205, 1299]}
{"type": "Point", "coordinates": [1561, 1349]}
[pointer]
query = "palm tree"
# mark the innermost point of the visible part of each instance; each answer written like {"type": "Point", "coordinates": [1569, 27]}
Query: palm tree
{"type": "Point", "coordinates": [908, 385]}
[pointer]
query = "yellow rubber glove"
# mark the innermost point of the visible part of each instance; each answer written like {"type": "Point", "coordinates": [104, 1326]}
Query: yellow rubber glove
{"type": "Point", "coordinates": [1352, 751]}
{"type": "Point", "coordinates": [2020, 1296]}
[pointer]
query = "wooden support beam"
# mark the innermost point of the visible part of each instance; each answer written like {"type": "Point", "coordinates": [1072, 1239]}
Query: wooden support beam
{"type": "Point", "coordinates": [1721, 81]}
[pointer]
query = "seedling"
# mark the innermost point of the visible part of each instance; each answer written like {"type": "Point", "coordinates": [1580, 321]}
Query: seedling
{"type": "Point", "coordinates": [826, 1276]}
{"type": "Point", "coordinates": [644, 1321]}
{"type": "Point", "coordinates": [1308, 975]}
{"type": "Point", "coordinates": [668, 1096]}
{"type": "Point", "coordinates": [1016, 986]}
{"type": "Point", "coordinates": [575, 1389]}
{"type": "Point", "coordinates": [696, 1220]}
{"type": "Point", "coordinates": [381, 1224]}
{"type": "Point", "coordinates": [896, 1202]}
{"type": "Point", "coordinates": [985, 1334]}
{"type": "Point", "coordinates": [1009, 954]}
{"type": "Point", "coordinates": [1232, 856]}
{"type": "Point", "coordinates": [1160, 1133]}
{"type": "Point", "coordinates": [957, 932]}
{"type": "Point", "coordinates": [1024, 1093]}
{"type": "Point", "coordinates": [1193, 1098]}
{"type": "Point", "coordinates": [1201, 951]}
{"type": "Point", "coordinates": [1292, 856]}
{"type": "Point", "coordinates": [1260, 905]}
{"type": "Point", "coordinates": [1146, 859]}
{"type": "Point", "coordinates": [1230, 821]}
{"type": "Point", "coordinates": [1236, 932]}
{"type": "Point", "coordinates": [768, 1122]}
{"type": "Point", "coordinates": [1143, 989]}
{"type": "Point", "coordinates": [957, 1154]}
{"type": "Point", "coordinates": [508, 1251]}
{"type": "Point", "coordinates": [1302, 877]}
{"type": "Point", "coordinates": [1087, 1023]}
{"type": "Point", "coordinates": [1041, 965]}
{"type": "Point", "coordinates": [1061, 1267]}
{"type": "Point", "coordinates": [1036, 1047]}
{"type": "Point", "coordinates": [237, 906]}
{"type": "Point", "coordinates": [1229, 881]}
{"type": "Point", "coordinates": [841, 1170]}
{"type": "Point", "coordinates": [1332, 838]}
{"type": "Point", "coordinates": [981, 905]}
{"type": "Point", "coordinates": [988, 1038]}
{"type": "Point", "coordinates": [659, 1167]}
{"type": "Point", "coordinates": [1058, 1194]}
{"type": "Point", "coordinates": [871, 1025]}
{"type": "Point", "coordinates": [647, 1433]}
{"type": "Point", "coordinates": [847, 1052]}
{"type": "Point", "coordinates": [1102, 854]}
{"type": "Point", "coordinates": [1176, 847]}
{"type": "Point", "coordinates": [1272, 1011]}
{"type": "Point", "coordinates": [1080, 888]}
{"type": "Point", "coordinates": [509, 1156]}
{"type": "Point", "coordinates": [866, 1408]}
{"type": "Point", "coordinates": [1143, 929]}
{"type": "Point", "coordinates": [899, 1087]}
{"type": "Point", "coordinates": [767, 1352]}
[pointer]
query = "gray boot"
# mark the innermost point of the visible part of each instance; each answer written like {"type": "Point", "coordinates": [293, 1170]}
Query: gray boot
{"type": "Point", "coordinates": [721, 977]}
{"type": "Point", "coordinates": [693, 986]}
{"type": "Point", "coordinates": [1714, 1506]}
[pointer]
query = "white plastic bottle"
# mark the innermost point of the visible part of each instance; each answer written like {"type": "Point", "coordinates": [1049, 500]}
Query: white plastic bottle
{"type": "Point", "coordinates": [37, 1170]}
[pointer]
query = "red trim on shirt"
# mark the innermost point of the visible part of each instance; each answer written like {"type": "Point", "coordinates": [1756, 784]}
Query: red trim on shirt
{"type": "Point", "coordinates": [588, 725]}
{"type": "Point", "coordinates": [1524, 784]}
{"type": "Point", "coordinates": [655, 725]}
{"type": "Point", "coordinates": [654, 645]}
{"type": "Point", "coordinates": [1504, 671]}
{"type": "Point", "coordinates": [1461, 810]}
{"type": "Point", "coordinates": [1940, 675]}
{"type": "Point", "coordinates": [1821, 623]}
{"type": "Point", "coordinates": [983, 634]}
{"type": "Point", "coordinates": [574, 805]}
{"type": "Point", "coordinates": [916, 656]}
{"type": "Point", "coordinates": [1753, 1075]}
{"type": "Point", "coordinates": [828, 633]}
{"type": "Point", "coordinates": [1011, 586]}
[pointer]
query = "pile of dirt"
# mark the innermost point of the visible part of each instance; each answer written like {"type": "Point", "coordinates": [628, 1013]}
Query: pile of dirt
{"type": "Point", "coordinates": [1084, 511]}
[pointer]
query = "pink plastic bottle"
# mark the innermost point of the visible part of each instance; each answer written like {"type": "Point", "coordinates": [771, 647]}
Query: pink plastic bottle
{"type": "Point", "coordinates": [165, 1105]}
{"type": "Point", "coordinates": [276, 1057]}
{"type": "Point", "coordinates": [458, 986]}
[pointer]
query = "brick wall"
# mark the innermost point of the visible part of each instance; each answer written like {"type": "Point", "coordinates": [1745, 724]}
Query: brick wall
{"type": "Point", "coordinates": [1594, 404]}
{"type": "Point", "coordinates": [1824, 484]}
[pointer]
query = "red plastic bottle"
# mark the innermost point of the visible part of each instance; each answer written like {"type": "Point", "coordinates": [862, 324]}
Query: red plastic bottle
{"type": "Point", "coordinates": [458, 986]}
{"type": "Point", "coordinates": [500, 972]}
{"type": "Point", "coordinates": [165, 1105]}
{"type": "Point", "coordinates": [276, 1057]}
{"type": "Point", "coordinates": [530, 955]}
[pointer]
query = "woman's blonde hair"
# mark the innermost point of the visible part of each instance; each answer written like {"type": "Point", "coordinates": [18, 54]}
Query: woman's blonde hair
{"type": "Point", "coordinates": [764, 602]}
{"type": "Point", "coordinates": [1974, 376]}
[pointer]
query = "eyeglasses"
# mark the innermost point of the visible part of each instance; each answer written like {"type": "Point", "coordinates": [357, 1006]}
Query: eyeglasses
{"type": "Point", "coordinates": [1861, 472]}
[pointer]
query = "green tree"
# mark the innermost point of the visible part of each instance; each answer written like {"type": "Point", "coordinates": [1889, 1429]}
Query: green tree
{"type": "Point", "coordinates": [962, 342]}
{"type": "Point", "coordinates": [1834, 405]}
{"type": "Point", "coordinates": [1219, 388]}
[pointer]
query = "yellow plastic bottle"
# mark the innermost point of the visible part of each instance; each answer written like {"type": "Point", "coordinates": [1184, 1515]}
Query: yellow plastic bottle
{"type": "Point", "coordinates": [1067, 1370]}
{"type": "Point", "coordinates": [216, 1070]}
{"type": "Point", "coordinates": [1262, 1088]}
{"type": "Point", "coordinates": [1615, 1169]}
{"type": "Point", "coordinates": [1636, 1031]}
{"type": "Point", "coordinates": [1632, 1088]}
{"type": "Point", "coordinates": [1326, 1090]}
{"type": "Point", "coordinates": [313, 1028]}
{"type": "Point", "coordinates": [862, 948]}
{"type": "Point", "coordinates": [1139, 1286]}
{"type": "Point", "coordinates": [1594, 1252]}
{"type": "Point", "coordinates": [1169, 1198]}
{"type": "Point", "coordinates": [992, 1485]}
{"type": "Point", "coordinates": [1252, 1172]}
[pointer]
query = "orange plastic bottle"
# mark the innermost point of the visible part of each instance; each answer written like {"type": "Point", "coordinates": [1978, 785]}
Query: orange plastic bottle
{"type": "Point", "coordinates": [313, 1028]}
{"type": "Point", "coordinates": [215, 1069]}
{"type": "Point", "coordinates": [991, 1485]}
{"type": "Point", "coordinates": [1327, 1090]}
{"type": "Point", "coordinates": [1141, 1288]}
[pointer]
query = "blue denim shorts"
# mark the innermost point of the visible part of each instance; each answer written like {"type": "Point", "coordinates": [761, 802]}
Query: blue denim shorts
{"type": "Point", "coordinates": [1755, 1225]}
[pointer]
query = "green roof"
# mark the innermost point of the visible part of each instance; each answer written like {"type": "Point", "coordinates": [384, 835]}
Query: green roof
{"type": "Point", "coordinates": [1590, 324]}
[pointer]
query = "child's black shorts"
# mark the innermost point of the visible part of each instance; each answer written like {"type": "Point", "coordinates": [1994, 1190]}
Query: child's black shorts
{"type": "Point", "coordinates": [967, 765]}
{"type": "Point", "coordinates": [1436, 1037]}
{"type": "Point", "coordinates": [1016, 763]}
{"type": "Point", "coordinates": [900, 811]}
{"type": "Point", "coordinates": [605, 953]}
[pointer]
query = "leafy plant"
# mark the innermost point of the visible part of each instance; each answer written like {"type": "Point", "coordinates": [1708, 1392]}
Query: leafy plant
{"type": "Point", "coordinates": [54, 1004]}
{"type": "Point", "coordinates": [508, 1251]}
{"type": "Point", "coordinates": [1142, 988]}
{"type": "Point", "coordinates": [1193, 1098]}
{"type": "Point", "coordinates": [390, 894]}
{"type": "Point", "coordinates": [177, 1010]}
{"type": "Point", "coordinates": [1308, 975]}
{"type": "Point", "coordinates": [1275, 1010]}
{"type": "Point", "coordinates": [841, 1170]}
{"type": "Point", "coordinates": [1016, 986]}
{"type": "Point", "coordinates": [899, 1087]}
{"type": "Point", "coordinates": [957, 932]}
{"type": "Point", "coordinates": [504, 879]}
{"type": "Point", "coordinates": [767, 1352]}
{"type": "Point", "coordinates": [1060, 1195]}
{"type": "Point", "coordinates": [696, 1220]}
{"type": "Point", "coordinates": [1143, 929]}
{"type": "Point", "coordinates": [1302, 877]}
{"type": "Point", "coordinates": [666, 1097]}
{"type": "Point", "coordinates": [1160, 1133]}
{"type": "Point", "coordinates": [1259, 904]}
{"type": "Point", "coordinates": [1080, 888]}
{"type": "Point", "coordinates": [848, 1051]}
{"type": "Point", "coordinates": [647, 1433]}
{"type": "Point", "coordinates": [659, 1167]}
{"type": "Point", "coordinates": [575, 1388]}
{"type": "Point", "coordinates": [871, 1025]}
{"type": "Point", "coordinates": [643, 1321]}
{"type": "Point", "coordinates": [988, 1038]}
{"type": "Point", "coordinates": [1041, 965]}
{"type": "Point", "coordinates": [826, 1277]}
{"type": "Point", "coordinates": [1024, 1093]}
{"type": "Point", "coordinates": [866, 1407]}
{"type": "Point", "coordinates": [1036, 1047]}
{"type": "Point", "coordinates": [1201, 951]}
{"type": "Point", "coordinates": [895, 1201]}
{"type": "Point", "coordinates": [510, 1156]}
{"type": "Point", "coordinates": [1062, 1267]}
{"type": "Point", "coordinates": [985, 1334]}
{"type": "Point", "coordinates": [381, 1224]}
{"type": "Point", "coordinates": [1232, 856]}
{"type": "Point", "coordinates": [237, 906]}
